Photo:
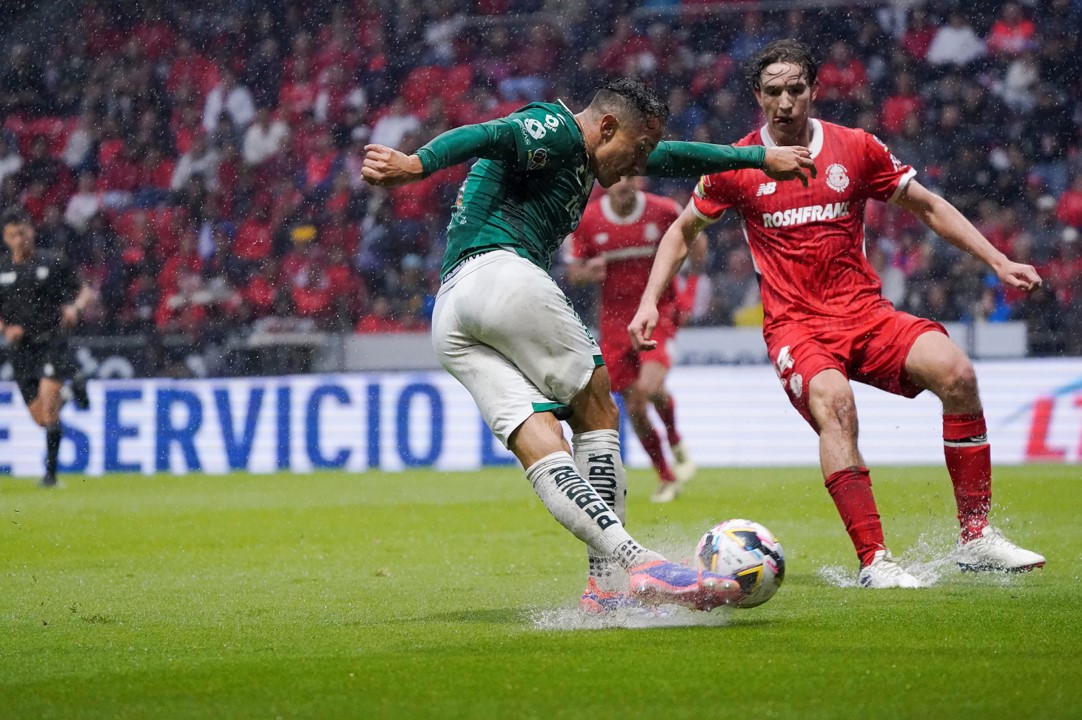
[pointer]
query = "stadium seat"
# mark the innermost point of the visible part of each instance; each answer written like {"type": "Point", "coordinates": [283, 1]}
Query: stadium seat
{"type": "Point", "coordinates": [420, 85]}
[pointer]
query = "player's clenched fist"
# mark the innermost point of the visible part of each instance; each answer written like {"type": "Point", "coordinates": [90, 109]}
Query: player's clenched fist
{"type": "Point", "coordinates": [388, 167]}
{"type": "Point", "coordinates": [792, 162]}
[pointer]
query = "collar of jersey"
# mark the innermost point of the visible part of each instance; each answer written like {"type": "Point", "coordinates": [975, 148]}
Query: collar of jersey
{"type": "Point", "coordinates": [631, 218]}
{"type": "Point", "coordinates": [814, 147]}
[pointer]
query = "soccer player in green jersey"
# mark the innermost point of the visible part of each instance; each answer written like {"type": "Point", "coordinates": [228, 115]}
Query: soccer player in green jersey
{"type": "Point", "coordinates": [503, 328]}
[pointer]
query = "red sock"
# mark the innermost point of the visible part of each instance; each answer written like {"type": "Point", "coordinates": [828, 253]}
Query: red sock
{"type": "Point", "coordinates": [666, 410]}
{"type": "Point", "coordinates": [651, 443]}
{"type": "Point", "coordinates": [851, 490]}
{"type": "Point", "coordinates": [969, 462]}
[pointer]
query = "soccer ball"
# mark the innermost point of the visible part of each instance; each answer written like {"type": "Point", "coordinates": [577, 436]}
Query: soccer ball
{"type": "Point", "coordinates": [747, 551]}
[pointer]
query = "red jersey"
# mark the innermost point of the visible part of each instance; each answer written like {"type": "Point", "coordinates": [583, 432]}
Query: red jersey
{"type": "Point", "coordinates": [628, 245]}
{"type": "Point", "coordinates": [808, 243]}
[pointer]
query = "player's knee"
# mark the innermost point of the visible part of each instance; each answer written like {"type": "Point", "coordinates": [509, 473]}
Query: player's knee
{"type": "Point", "coordinates": [835, 410]}
{"type": "Point", "coordinates": [959, 380]}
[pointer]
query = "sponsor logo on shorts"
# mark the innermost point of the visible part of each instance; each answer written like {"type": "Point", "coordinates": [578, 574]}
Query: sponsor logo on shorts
{"type": "Point", "coordinates": [796, 385]}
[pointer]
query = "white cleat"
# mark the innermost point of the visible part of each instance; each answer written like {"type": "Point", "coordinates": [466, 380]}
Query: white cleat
{"type": "Point", "coordinates": [992, 551]}
{"type": "Point", "coordinates": [666, 492]}
{"type": "Point", "coordinates": [884, 572]}
{"type": "Point", "coordinates": [683, 467]}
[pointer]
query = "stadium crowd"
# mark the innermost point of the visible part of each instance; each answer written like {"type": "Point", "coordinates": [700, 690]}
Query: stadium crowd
{"type": "Point", "coordinates": [200, 161]}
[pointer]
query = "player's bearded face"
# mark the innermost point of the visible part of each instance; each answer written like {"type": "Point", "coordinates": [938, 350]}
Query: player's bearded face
{"type": "Point", "coordinates": [785, 97]}
{"type": "Point", "coordinates": [624, 148]}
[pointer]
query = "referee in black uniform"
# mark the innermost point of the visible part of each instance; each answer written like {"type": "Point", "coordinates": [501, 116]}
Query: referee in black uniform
{"type": "Point", "coordinates": [41, 297]}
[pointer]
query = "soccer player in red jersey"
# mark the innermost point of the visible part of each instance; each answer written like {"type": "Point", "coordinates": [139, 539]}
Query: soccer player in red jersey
{"type": "Point", "coordinates": [614, 246]}
{"type": "Point", "coordinates": [826, 322]}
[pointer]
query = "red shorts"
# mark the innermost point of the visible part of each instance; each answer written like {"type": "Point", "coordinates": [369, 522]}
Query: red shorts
{"type": "Point", "coordinates": [623, 361]}
{"type": "Point", "coordinates": [872, 352]}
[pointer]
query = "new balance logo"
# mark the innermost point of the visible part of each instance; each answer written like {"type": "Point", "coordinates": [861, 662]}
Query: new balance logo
{"type": "Point", "coordinates": [767, 189]}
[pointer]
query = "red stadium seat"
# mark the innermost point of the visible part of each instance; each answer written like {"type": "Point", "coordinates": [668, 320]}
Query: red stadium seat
{"type": "Point", "coordinates": [456, 83]}
{"type": "Point", "coordinates": [421, 84]}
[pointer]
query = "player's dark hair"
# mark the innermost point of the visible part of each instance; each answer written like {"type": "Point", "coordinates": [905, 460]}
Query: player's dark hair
{"type": "Point", "coordinates": [782, 51]}
{"type": "Point", "coordinates": [629, 97]}
{"type": "Point", "coordinates": [15, 216]}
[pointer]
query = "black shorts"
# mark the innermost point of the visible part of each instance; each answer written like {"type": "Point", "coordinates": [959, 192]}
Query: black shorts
{"type": "Point", "coordinates": [30, 362]}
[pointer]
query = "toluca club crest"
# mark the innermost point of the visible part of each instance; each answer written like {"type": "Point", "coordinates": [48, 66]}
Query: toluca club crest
{"type": "Point", "coordinates": [837, 178]}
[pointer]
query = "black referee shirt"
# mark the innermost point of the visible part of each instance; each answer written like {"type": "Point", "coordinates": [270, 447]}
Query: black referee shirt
{"type": "Point", "coordinates": [32, 292]}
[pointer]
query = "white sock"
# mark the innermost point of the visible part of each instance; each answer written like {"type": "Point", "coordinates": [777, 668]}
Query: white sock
{"type": "Point", "coordinates": [597, 456]}
{"type": "Point", "coordinates": [575, 505]}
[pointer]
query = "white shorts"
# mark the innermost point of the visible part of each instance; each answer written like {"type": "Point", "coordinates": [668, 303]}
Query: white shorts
{"type": "Point", "coordinates": [505, 330]}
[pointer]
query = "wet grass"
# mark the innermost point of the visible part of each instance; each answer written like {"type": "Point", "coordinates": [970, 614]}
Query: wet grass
{"type": "Point", "coordinates": [452, 595]}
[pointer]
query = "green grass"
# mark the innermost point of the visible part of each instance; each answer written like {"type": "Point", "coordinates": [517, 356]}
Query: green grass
{"type": "Point", "coordinates": [418, 595]}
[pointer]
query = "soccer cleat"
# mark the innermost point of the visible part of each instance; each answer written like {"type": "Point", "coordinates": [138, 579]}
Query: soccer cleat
{"type": "Point", "coordinates": [600, 602]}
{"type": "Point", "coordinates": [79, 394]}
{"type": "Point", "coordinates": [48, 480]}
{"type": "Point", "coordinates": [666, 491]}
{"type": "Point", "coordinates": [660, 582]}
{"type": "Point", "coordinates": [992, 551]}
{"type": "Point", "coordinates": [884, 572]}
{"type": "Point", "coordinates": [683, 467]}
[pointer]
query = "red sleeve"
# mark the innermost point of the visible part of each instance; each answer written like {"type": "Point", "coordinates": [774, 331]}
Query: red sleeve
{"type": "Point", "coordinates": [713, 196]}
{"type": "Point", "coordinates": [884, 175]}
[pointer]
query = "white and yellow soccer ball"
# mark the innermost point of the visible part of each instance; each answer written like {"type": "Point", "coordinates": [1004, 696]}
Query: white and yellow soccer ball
{"type": "Point", "coordinates": [748, 552]}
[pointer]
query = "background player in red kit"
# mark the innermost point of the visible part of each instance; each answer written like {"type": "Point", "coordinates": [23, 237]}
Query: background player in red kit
{"type": "Point", "coordinates": [614, 245]}
{"type": "Point", "coordinates": [826, 322]}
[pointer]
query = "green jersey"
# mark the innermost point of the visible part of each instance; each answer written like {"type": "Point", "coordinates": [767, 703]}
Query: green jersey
{"type": "Point", "coordinates": [529, 188]}
{"type": "Point", "coordinates": [529, 199]}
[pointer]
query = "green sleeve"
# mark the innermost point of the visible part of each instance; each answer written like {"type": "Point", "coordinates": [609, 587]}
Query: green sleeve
{"type": "Point", "coordinates": [494, 140]}
{"type": "Point", "coordinates": [691, 159]}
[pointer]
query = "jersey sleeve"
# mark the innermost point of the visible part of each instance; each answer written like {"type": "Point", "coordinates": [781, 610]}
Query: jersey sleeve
{"type": "Point", "coordinates": [885, 176]}
{"type": "Point", "coordinates": [543, 139]}
{"type": "Point", "coordinates": [712, 197]}
{"type": "Point", "coordinates": [493, 140]}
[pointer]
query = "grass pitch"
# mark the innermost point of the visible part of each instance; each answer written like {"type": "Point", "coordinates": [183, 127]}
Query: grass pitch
{"type": "Point", "coordinates": [442, 595]}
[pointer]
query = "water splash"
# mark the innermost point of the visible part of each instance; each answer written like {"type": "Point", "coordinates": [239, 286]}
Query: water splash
{"type": "Point", "coordinates": [563, 619]}
{"type": "Point", "coordinates": [930, 559]}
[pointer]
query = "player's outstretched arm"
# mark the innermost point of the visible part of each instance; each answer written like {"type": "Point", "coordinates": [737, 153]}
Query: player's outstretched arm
{"type": "Point", "coordinates": [690, 159]}
{"type": "Point", "coordinates": [671, 251]}
{"type": "Point", "coordinates": [948, 222]}
{"type": "Point", "coordinates": [389, 167]}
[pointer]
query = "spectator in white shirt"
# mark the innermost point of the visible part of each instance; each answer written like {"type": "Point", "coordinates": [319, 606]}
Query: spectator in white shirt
{"type": "Point", "coordinates": [394, 125]}
{"type": "Point", "coordinates": [79, 149]}
{"type": "Point", "coordinates": [84, 203]}
{"type": "Point", "coordinates": [201, 159]}
{"type": "Point", "coordinates": [956, 43]}
{"type": "Point", "coordinates": [265, 138]}
{"type": "Point", "coordinates": [231, 98]}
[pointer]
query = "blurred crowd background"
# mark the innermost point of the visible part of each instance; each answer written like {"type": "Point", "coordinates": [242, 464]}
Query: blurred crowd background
{"type": "Point", "coordinates": [200, 161]}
